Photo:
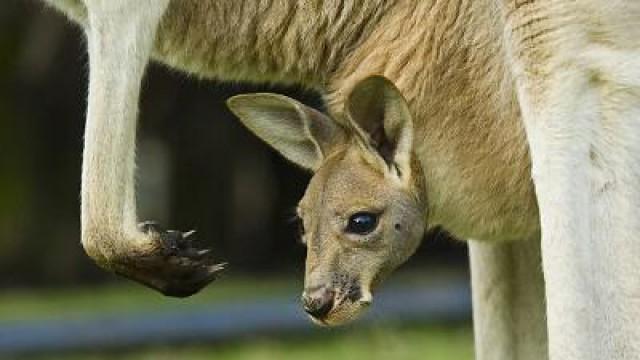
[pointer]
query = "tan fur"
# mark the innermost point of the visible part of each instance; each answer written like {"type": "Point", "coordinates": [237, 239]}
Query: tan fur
{"type": "Point", "coordinates": [472, 144]}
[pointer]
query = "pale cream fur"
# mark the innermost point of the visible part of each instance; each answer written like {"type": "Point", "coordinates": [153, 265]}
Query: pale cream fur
{"type": "Point", "coordinates": [475, 74]}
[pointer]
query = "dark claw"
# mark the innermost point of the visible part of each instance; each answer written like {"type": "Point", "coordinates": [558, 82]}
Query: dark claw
{"type": "Point", "coordinates": [188, 234]}
{"type": "Point", "coordinates": [196, 253]}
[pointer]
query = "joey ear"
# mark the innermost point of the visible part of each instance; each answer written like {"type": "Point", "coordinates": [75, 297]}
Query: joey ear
{"type": "Point", "coordinates": [381, 118]}
{"type": "Point", "coordinates": [300, 133]}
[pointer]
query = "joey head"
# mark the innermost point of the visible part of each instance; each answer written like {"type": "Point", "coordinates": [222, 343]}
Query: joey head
{"type": "Point", "coordinates": [363, 212]}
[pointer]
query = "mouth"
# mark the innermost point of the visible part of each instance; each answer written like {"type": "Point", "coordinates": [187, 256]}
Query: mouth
{"type": "Point", "coordinates": [344, 310]}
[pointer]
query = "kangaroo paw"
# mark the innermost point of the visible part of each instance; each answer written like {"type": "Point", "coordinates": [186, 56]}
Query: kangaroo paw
{"type": "Point", "coordinates": [173, 265]}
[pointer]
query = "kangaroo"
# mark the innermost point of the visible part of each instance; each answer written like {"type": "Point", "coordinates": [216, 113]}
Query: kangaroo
{"type": "Point", "coordinates": [511, 122]}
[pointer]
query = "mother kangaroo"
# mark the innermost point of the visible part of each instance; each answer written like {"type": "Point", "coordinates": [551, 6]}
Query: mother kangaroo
{"type": "Point", "coordinates": [513, 122]}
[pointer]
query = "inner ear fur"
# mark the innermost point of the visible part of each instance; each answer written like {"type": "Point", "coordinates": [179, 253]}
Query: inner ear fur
{"type": "Point", "coordinates": [300, 133]}
{"type": "Point", "coordinates": [381, 119]}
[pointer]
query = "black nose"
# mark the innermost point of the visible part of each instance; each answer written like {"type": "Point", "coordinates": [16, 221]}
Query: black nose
{"type": "Point", "coordinates": [318, 303]}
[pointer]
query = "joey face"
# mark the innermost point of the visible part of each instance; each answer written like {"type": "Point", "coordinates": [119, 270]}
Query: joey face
{"type": "Point", "coordinates": [359, 225]}
{"type": "Point", "coordinates": [363, 213]}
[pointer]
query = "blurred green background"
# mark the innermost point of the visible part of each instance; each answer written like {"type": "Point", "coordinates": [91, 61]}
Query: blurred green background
{"type": "Point", "coordinates": [198, 169]}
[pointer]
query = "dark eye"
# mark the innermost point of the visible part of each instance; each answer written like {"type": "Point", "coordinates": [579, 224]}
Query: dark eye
{"type": "Point", "coordinates": [362, 223]}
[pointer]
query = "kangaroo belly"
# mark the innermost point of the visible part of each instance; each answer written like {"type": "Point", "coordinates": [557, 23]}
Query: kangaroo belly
{"type": "Point", "coordinates": [480, 187]}
{"type": "Point", "coordinates": [476, 160]}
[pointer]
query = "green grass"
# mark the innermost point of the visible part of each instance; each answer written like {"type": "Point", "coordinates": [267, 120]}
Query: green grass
{"type": "Point", "coordinates": [123, 295]}
{"type": "Point", "coordinates": [379, 341]}
{"type": "Point", "coordinates": [16, 305]}
{"type": "Point", "coordinates": [383, 342]}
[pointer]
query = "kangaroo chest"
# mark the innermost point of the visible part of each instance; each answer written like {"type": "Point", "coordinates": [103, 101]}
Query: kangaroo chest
{"type": "Point", "coordinates": [469, 134]}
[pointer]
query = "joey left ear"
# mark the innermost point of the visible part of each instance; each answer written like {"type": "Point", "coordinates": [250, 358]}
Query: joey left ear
{"type": "Point", "coordinates": [301, 134]}
{"type": "Point", "coordinates": [380, 115]}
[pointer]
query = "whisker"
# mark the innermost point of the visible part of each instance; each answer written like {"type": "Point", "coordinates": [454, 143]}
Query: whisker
{"type": "Point", "coordinates": [296, 220]}
{"type": "Point", "coordinates": [292, 215]}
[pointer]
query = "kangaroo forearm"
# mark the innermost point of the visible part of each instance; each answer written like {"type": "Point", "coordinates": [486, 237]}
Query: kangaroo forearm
{"type": "Point", "coordinates": [108, 168]}
{"type": "Point", "coordinates": [119, 42]}
{"type": "Point", "coordinates": [120, 35]}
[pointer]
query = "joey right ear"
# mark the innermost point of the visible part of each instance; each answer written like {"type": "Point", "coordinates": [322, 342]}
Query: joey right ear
{"type": "Point", "coordinates": [300, 133]}
{"type": "Point", "coordinates": [381, 117]}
